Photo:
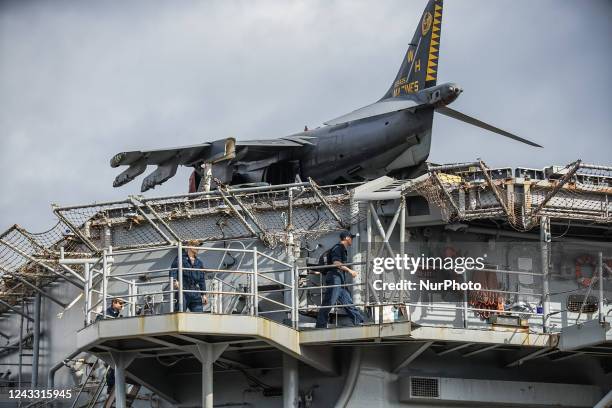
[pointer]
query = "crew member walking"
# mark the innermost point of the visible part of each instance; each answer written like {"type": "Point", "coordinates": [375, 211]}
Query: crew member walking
{"type": "Point", "coordinates": [336, 276]}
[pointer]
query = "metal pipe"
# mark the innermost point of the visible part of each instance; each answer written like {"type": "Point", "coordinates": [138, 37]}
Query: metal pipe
{"type": "Point", "coordinates": [273, 259]}
{"type": "Point", "coordinates": [237, 213]}
{"type": "Point", "coordinates": [255, 302]}
{"type": "Point", "coordinates": [290, 382]}
{"type": "Point", "coordinates": [453, 166]}
{"type": "Point", "coordinates": [432, 306]}
{"type": "Point", "coordinates": [57, 366]}
{"type": "Point", "coordinates": [104, 283]}
{"type": "Point", "coordinates": [465, 304]}
{"type": "Point", "coordinates": [351, 379]}
{"type": "Point", "coordinates": [180, 276]}
{"type": "Point", "coordinates": [36, 341]}
{"type": "Point", "coordinates": [20, 348]}
{"type": "Point", "coordinates": [133, 292]}
{"type": "Point", "coordinates": [87, 290]}
{"type": "Point", "coordinates": [207, 384]}
{"type": "Point", "coordinates": [601, 291]}
{"type": "Point", "coordinates": [525, 235]}
{"type": "Point", "coordinates": [150, 220]}
{"type": "Point", "coordinates": [402, 234]}
{"type": "Point", "coordinates": [545, 238]}
{"type": "Point", "coordinates": [171, 295]}
{"type": "Point", "coordinates": [574, 168]}
{"type": "Point", "coordinates": [120, 389]}
{"type": "Point", "coordinates": [368, 254]}
{"type": "Point", "coordinates": [315, 189]}
{"type": "Point", "coordinates": [164, 223]}
{"type": "Point", "coordinates": [595, 167]}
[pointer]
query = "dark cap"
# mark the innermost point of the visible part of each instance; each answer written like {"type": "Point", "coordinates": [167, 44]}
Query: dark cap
{"type": "Point", "coordinates": [346, 234]}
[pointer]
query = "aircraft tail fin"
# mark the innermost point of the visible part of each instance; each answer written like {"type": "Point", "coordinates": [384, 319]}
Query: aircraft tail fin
{"type": "Point", "coordinates": [419, 69]}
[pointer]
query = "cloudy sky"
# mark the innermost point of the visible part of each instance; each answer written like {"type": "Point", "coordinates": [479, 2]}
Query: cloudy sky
{"type": "Point", "coordinates": [80, 81]}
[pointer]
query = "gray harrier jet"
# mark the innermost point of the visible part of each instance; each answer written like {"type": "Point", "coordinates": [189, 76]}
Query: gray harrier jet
{"type": "Point", "coordinates": [390, 136]}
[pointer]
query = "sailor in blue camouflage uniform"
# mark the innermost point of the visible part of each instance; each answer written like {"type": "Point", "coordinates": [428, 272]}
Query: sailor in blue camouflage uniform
{"type": "Point", "coordinates": [193, 279]}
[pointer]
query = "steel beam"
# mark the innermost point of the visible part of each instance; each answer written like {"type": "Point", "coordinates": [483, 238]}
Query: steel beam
{"type": "Point", "coordinates": [315, 189]}
{"type": "Point", "coordinates": [413, 352]}
{"type": "Point", "coordinates": [58, 213]}
{"type": "Point", "coordinates": [481, 350]}
{"type": "Point", "coordinates": [456, 348]}
{"type": "Point", "coordinates": [545, 239]}
{"type": "Point", "coordinates": [573, 169]}
{"type": "Point", "coordinates": [33, 287]}
{"type": "Point", "coordinates": [44, 265]}
{"type": "Point", "coordinates": [528, 357]}
{"type": "Point", "coordinates": [36, 341]}
{"type": "Point", "coordinates": [19, 312]}
{"type": "Point", "coordinates": [137, 205]}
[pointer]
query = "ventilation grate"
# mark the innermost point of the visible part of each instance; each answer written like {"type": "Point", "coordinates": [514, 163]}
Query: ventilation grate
{"type": "Point", "coordinates": [424, 387]}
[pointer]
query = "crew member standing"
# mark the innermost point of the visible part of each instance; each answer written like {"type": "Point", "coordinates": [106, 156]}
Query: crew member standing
{"type": "Point", "coordinates": [113, 311]}
{"type": "Point", "coordinates": [336, 276]}
{"type": "Point", "coordinates": [194, 278]}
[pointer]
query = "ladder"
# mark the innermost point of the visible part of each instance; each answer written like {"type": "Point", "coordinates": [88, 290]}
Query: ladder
{"type": "Point", "coordinates": [96, 396]}
{"type": "Point", "coordinates": [129, 398]}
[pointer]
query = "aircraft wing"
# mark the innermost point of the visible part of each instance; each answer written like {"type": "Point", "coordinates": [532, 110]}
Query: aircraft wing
{"type": "Point", "coordinates": [168, 160]}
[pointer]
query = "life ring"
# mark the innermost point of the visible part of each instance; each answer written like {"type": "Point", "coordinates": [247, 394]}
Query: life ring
{"type": "Point", "coordinates": [580, 262]}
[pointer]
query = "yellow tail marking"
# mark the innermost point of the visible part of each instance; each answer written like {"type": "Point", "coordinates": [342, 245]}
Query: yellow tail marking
{"type": "Point", "coordinates": [434, 43]}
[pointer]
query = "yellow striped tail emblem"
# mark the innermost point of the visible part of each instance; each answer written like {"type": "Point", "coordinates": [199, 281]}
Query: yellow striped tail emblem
{"type": "Point", "coordinates": [434, 45]}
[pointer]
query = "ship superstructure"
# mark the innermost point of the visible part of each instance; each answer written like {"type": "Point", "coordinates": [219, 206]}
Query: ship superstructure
{"type": "Point", "coordinates": [536, 332]}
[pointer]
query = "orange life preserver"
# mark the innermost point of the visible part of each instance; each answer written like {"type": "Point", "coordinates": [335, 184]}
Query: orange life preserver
{"type": "Point", "coordinates": [580, 262]}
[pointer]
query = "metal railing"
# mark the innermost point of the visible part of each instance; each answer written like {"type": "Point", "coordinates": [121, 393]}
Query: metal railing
{"type": "Point", "coordinates": [155, 290]}
{"type": "Point", "coordinates": [264, 285]}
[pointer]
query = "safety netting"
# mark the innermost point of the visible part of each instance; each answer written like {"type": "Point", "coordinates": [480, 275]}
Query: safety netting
{"type": "Point", "coordinates": [522, 196]}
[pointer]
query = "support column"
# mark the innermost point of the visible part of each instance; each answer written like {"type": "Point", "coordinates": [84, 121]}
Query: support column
{"type": "Point", "coordinates": [36, 341]}
{"type": "Point", "coordinates": [121, 360]}
{"type": "Point", "coordinates": [207, 354]}
{"type": "Point", "coordinates": [357, 252]}
{"type": "Point", "coordinates": [290, 382]}
{"type": "Point", "coordinates": [545, 239]}
{"type": "Point", "coordinates": [404, 294]}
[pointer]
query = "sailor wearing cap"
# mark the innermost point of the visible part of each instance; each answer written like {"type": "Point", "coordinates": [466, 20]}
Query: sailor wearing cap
{"type": "Point", "coordinates": [194, 278]}
{"type": "Point", "coordinates": [335, 277]}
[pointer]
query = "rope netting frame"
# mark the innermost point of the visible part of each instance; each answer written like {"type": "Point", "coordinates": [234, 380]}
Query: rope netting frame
{"type": "Point", "coordinates": [304, 209]}
{"type": "Point", "coordinates": [83, 231]}
{"type": "Point", "coordinates": [465, 191]}
{"type": "Point", "coordinates": [28, 259]}
{"type": "Point", "coordinates": [469, 191]}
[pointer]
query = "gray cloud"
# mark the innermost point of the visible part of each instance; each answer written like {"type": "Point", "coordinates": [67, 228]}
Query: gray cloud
{"type": "Point", "coordinates": [82, 81]}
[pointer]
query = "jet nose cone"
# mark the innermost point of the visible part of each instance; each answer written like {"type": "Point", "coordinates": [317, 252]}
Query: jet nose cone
{"type": "Point", "coordinates": [455, 89]}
